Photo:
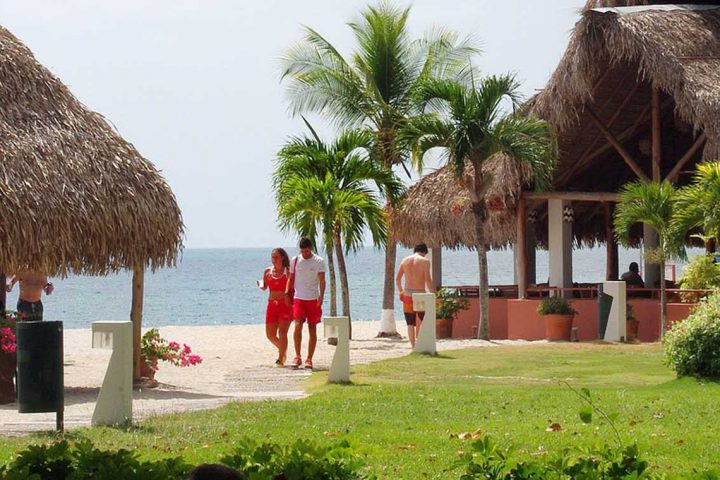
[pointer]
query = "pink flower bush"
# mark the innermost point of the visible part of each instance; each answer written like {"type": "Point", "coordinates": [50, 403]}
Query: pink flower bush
{"type": "Point", "coordinates": [7, 333]}
{"type": "Point", "coordinates": [154, 347]}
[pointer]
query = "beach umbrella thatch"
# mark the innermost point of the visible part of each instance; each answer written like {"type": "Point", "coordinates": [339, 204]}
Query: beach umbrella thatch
{"type": "Point", "coordinates": [74, 196]}
{"type": "Point", "coordinates": [437, 209]}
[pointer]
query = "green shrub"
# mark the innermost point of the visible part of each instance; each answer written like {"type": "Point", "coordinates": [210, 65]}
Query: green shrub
{"type": "Point", "coordinates": [555, 306]}
{"type": "Point", "coordinates": [701, 273]}
{"type": "Point", "coordinates": [301, 460]}
{"type": "Point", "coordinates": [692, 347]}
{"type": "Point", "coordinates": [449, 304]}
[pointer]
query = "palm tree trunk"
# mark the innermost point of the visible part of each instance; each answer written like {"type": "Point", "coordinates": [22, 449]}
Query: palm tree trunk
{"type": "Point", "coordinates": [663, 301]}
{"type": "Point", "coordinates": [387, 323]}
{"type": "Point", "coordinates": [333, 283]}
{"type": "Point", "coordinates": [484, 320]}
{"type": "Point", "coordinates": [344, 286]}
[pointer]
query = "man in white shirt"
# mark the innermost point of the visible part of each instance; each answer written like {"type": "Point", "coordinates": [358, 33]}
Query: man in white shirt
{"type": "Point", "coordinates": [307, 272]}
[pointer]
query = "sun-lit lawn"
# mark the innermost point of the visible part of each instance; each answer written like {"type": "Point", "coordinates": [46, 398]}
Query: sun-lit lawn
{"type": "Point", "coordinates": [402, 413]}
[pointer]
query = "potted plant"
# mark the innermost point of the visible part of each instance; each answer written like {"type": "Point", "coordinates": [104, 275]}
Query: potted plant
{"type": "Point", "coordinates": [8, 357]}
{"type": "Point", "coordinates": [448, 304]}
{"type": "Point", "coordinates": [154, 348]}
{"type": "Point", "coordinates": [558, 315]}
{"type": "Point", "coordinates": [631, 324]}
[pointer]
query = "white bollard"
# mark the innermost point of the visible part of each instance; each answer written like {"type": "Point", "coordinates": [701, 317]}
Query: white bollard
{"type": "Point", "coordinates": [616, 325]}
{"type": "Point", "coordinates": [425, 341]}
{"type": "Point", "coordinates": [114, 403]}
{"type": "Point", "coordinates": [339, 327]}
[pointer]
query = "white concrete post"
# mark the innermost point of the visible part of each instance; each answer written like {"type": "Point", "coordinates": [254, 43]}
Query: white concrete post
{"type": "Point", "coordinates": [114, 403]}
{"type": "Point", "coordinates": [339, 327]}
{"type": "Point", "coordinates": [425, 342]}
{"type": "Point", "coordinates": [616, 326]}
{"type": "Point", "coordinates": [559, 244]}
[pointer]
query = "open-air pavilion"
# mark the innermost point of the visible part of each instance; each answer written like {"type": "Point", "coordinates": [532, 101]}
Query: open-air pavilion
{"type": "Point", "coordinates": [75, 197]}
{"type": "Point", "coordinates": [636, 96]}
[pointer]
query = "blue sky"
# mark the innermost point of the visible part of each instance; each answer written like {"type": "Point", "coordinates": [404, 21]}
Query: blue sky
{"type": "Point", "coordinates": [194, 84]}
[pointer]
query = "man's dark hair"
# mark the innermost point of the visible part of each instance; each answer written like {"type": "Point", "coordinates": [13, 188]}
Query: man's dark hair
{"type": "Point", "coordinates": [305, 242]}
{"type": "Point", "coordinates": [634, 267]}
{"type": "Point", "coordinates": [214, 471]}
{"type": "Point", "coordinates": [420, 248]}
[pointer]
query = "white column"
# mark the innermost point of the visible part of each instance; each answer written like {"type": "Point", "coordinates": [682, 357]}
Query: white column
{"type": "Point", "coordinates": [559, 245]}
{"type": "Point", "coordinates": [425, 342]}
{"type": "Point", "coordinates": [339, 327]}
{"type": "Point", "coordinates": [616, 326]}
{"type": "Point", "coordinates": [114, 403]}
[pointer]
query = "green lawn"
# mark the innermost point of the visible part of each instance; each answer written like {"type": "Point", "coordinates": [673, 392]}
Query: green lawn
{"type": "Point", "coordinates": [401, 413]}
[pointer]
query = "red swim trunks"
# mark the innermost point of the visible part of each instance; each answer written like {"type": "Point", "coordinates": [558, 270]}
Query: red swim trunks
{"type": "Point", "coordinates": [278, 311]}
{"type": "Point", "coordinates": [307, 310]}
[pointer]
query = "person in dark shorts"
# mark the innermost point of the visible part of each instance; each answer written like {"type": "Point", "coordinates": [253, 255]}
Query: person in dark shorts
{"type": "Point", "coordinates": [32, 285]}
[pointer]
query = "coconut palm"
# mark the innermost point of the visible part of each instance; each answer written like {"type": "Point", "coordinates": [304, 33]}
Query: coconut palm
{"type": "Point", "coordinates": [653, 204]}
{"type": "Point", "coordinates": [697, 204]}
{"type": "Point", "coordinates": [374, 87]}
{"type": "Point", "coordinates": [468, 122]}
{"type": "Point", "coordinates": [330, 189]}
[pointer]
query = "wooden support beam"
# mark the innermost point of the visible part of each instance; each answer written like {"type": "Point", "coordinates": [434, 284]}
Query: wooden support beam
{"type": "Point", "coordinates": [675, 172]}
{"type": "Point", "coordinates": [3, 293]}
{"type": "Point", "coordinates": [611, 266]}
{"type": "Point", "coordinates": [581, 161]}
{"type": "Point", "coordinates": [573, 196]}
{"type": "Point", "coordinates": [521, 248]}
{"type": "Point", "coordinates": [656, 134]}
{"type": "Point", "coordinates": [138, 282]}
{"type": "Point", "coordinates": [620, 149]}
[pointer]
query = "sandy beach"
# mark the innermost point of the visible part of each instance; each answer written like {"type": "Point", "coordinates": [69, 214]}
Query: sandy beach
{"type": "Point", "coordinates": [237, 366]}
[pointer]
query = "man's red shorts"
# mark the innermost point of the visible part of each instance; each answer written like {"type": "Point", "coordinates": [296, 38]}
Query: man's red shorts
{"type": "Point", "coordinates": [307, 310]}
{"type": "Point", "coordinates": [278, 311]}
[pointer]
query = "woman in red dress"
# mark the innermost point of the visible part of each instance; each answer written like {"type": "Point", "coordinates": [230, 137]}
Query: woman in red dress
{"type": "Point", "coordinates": [278, 315]}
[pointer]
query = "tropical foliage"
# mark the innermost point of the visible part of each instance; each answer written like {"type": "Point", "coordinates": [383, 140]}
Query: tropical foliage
{"type": "Point", "coordinates": [653, 204]}
{"type": "Point", "coordinates": [332, 191]}
{"type": "Point", "coordinates": [376, 86]}
{"type": "Point", "coordinates": [153, 347]}
{"type": "Point", "coordinates": [692, 347]}
{"type": "Point", "coordinates": [471, 125]}
{"type": "Point", "coordinates": [697, 203]}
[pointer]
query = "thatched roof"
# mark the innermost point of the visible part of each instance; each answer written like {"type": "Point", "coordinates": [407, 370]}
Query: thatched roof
{"type": "Point", "coordinates": [614, 59]}
{"type": "Point", "coordinates": [74, 196]}
{"type": "Point", "coordinates": [437, 209]}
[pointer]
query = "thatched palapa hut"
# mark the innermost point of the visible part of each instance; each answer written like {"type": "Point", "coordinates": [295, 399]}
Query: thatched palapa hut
{"type": "Point", "coordinates": [74, 196]}
{"type": "Point", "coordinates": [636, 96]}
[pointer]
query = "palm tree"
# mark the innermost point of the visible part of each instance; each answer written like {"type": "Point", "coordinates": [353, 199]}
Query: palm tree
{"type": "Point", "coordinates": [653, 204]}
{"type": "Point", "coordinates": [374, 87]}
{"type": "Point", "coordinates": [697, 204]}
{"type": "Point", "coordinates": [328, 188]}
{"type": "Point", "coordinates": [469, 123]}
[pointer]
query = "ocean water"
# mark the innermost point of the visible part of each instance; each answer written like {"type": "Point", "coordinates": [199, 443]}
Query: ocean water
{"type": "Point", "coordinates": [217, 286]}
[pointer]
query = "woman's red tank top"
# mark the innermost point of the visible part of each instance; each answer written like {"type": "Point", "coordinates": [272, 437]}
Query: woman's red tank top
{"type": "Point", "coordinates": [276, 284]}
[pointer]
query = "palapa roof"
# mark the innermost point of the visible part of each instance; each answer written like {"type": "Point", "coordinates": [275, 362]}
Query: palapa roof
{"type": "Point", "coordinates": [614, 58]}
{"type": "Point", "coordinates": [437, 209]}
{"type": "Point", "coordinates": [74, 196]}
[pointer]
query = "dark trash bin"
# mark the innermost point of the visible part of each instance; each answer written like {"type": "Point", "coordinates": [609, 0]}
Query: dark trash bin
{"type": "Point", "coordinates": [40, 383]}
{"type": "Point", "coordinates": [604, 305]}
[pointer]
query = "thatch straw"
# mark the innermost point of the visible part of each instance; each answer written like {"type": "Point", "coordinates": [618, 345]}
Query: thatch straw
{"type": "Point", "coordinates": [74, 196]}
{"type": "Point", "coordinates": [677, 51]}
{"type": "Point", "coordinates": [437, 209]}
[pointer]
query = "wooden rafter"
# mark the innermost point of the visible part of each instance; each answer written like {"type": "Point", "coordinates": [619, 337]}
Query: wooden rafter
{"type": "Point", "coordinates": [618, 146]}
{"type": "Point", "coordinates": [573, 196]}
{"type": "Point", "coordinates": [699, 142]}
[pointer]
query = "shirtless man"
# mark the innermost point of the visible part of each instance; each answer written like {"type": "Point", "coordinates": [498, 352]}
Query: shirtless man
{"type": "Point", "coordinates": [416, 270]}
{"type": "Point", "coordinates": [32, 284]}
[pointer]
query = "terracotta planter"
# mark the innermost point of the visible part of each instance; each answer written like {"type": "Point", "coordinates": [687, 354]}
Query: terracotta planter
{"type": "Point", "coordinates": [145, 370]}
{"type": "Point", "coordinates": [8, 365]}
{"type": "Point", "coordinates": [558, 327]}
{"type": "Point", "coordinates": [631, 329]}
{"type": "Point", "coordinates": [443, 327]}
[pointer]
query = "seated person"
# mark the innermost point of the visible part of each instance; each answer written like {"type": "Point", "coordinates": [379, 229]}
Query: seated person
{"type": "Point", "coordinates": [632, 277]}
